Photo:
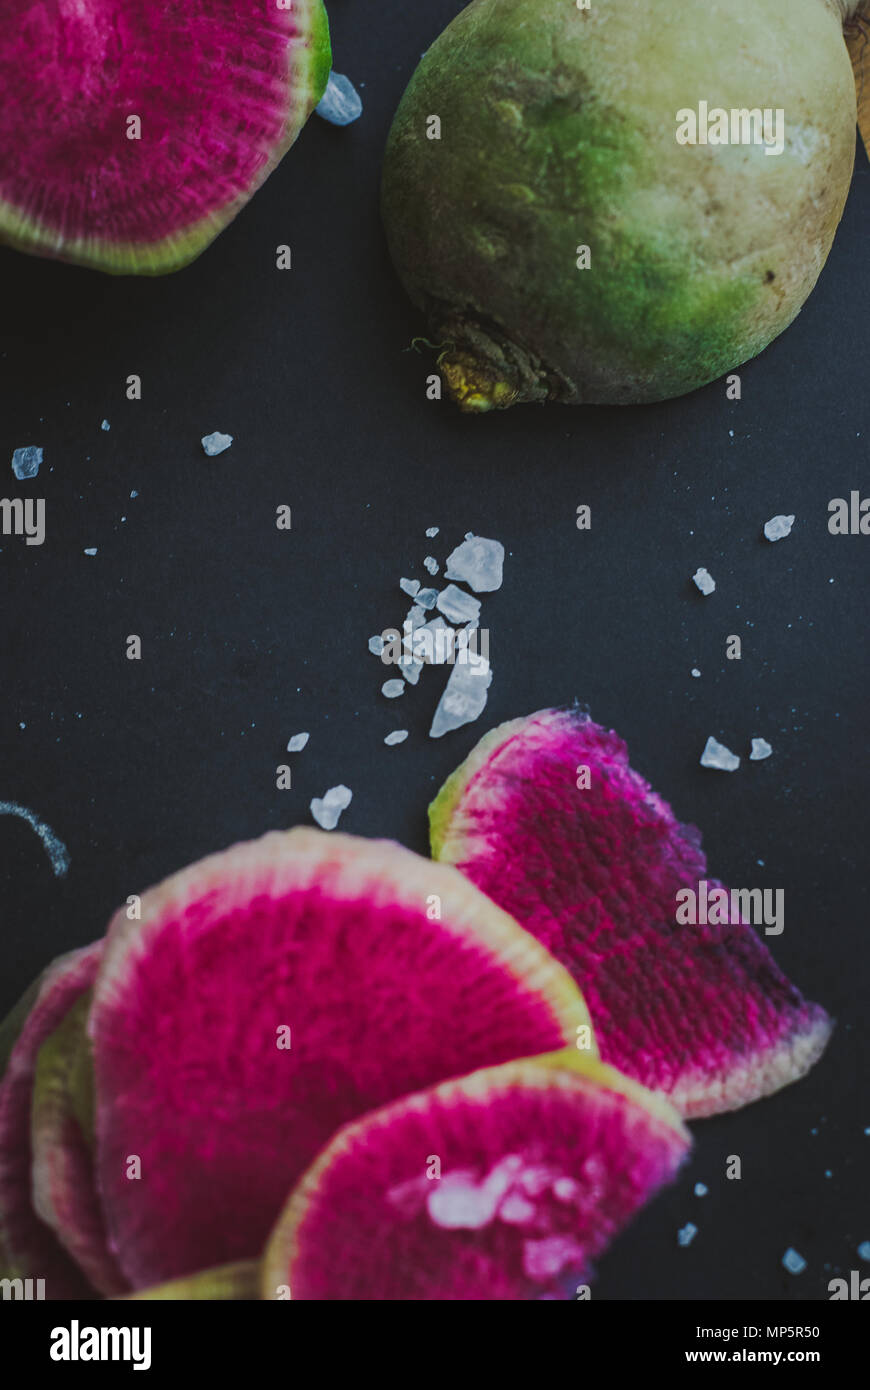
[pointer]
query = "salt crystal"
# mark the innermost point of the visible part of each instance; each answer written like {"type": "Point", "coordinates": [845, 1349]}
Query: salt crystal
{"type": "Point", "coordinates": [429, 645]}
{"type": "Point", "coordinates": [427, 598]}
{"type": "Point", "coordinates": [778, 527]}
{"type": "Point", "coordinates": [760, 749]}
{"type": "Point", "coordinates": [700, 1189]}
{"type": "Point", "coordinates": [341, 103]}
{"type": "Point", "coordinates": [376, 645]}
{"type": "Point", "coordinates": [704, 581]}
{"type": "Point", "coordinates": [26, 461]}
{"type": "Point", "coordinates": [409, 586]}
{"type": "Point", "coordinates": [864, 1250]}
{"type": "Point", "coordinates": [297, 743]}
{"type": "Point", "coordinates": [687, 1234]}
{"type": "Point", "coordinates": [431, 564]}
{"type": "Point", "coordinates": [464, 696]}
{"type": "Point", "coordinates": [457, 1202]}
{"type": "Point", "coordinates": [397, 736]}
{"type": "Point", "coordinates": [411, 667]}
{"type": "Point", "coordinates": [793, 1262]}
{"type": "Point", "coordinates": [392, 689]}
{"type": "Point", "coordinates": [327, 809]}
{"type": "Point", "coordinates": [432, 531]}
{"type": "Point", "coordinates": [216, 442]}
{"type": "Point", "coordinates": [695, 671]}
{"type": "Point", "coordinates": [134, 493]}
{"type": "Point", "coordinates": [105, 425]}
{"type": "Point", "coordinates": [478, 563]}
{"type": "Point", "coordinates": [91, 551]}
{"type": "Point", "coordinates": [716, 755]}
{"type": "Point", "coordinates": [457, 606]}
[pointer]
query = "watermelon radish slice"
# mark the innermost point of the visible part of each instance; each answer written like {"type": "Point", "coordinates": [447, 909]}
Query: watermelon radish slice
{"type": "Point", "coordinates": [700, 1012]}
{"type": "Point", "coordinates": [132, 134]}
{"type": "Point", "coordinates": [64, 1192]}
{"type": "Point", "coordinates": [30, 1247]}
{"type": "Point", "coordinates": [505, 1184]}
{"type": "Point", "coordinates": [269, 995]}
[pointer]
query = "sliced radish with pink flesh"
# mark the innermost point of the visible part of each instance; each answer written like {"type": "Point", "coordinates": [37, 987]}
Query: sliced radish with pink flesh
{"type": "Point", "coordinates": [267, 996]}
{"type": "Point", "coordinates": [505, 1184]}
{"type": "Point", "coordinates": [133, 133]}
{"type": "Point", "coordinates": [701, 1012]}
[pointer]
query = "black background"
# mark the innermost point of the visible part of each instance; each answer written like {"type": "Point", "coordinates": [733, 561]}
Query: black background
{"type": "Point", "coordinates": [251, 634]}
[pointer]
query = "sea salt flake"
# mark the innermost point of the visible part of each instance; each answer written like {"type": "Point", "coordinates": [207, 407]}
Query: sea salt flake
{"type": "Point", "coordinates": [397, 736]}
{"type": "Point", "coordinates": [716, 755]}
{"type": "Point", "coordinates": [704, 581]}
{"type": "Point", "coordinates": [341, 103]}
{"type": "Point", "coordinates": [26, 461]}
{"type": "Point", "coordinates": [393, 689]}
{"type": "Point", "coordinates": [297, 743]}
{"type": "Point", "coordinates": [431, 564]}
{"type": "Point", "coordinates": [479, 563]}
{"type": "Point", "coordinates": [695, 672]}
{"type": "Point", "coordinates": [545, 1259]}
{"type": "Point", "coordinates": [457, 606]}
{"type": "Point", "coordinates": [793, 1262]}
{"type": "Point", "coordinates": [427, 598]}
{"type": "Point", "coordinates": [432, 531]}
{"type": "Point", "coordinates": [376, 645]}
{"type": "Point", "coordinates": [700, 1189]}
{"type": "Point", "coordinates": [464, 696]}
{"type": "Point", "coordinates": [409, 586]}
{"type": "Point", "coordinates": [327, 809]}
{"type": "Point", "coordinates": [516, 1210]}
{"type": "Point", "coordinates": [411, 667]}
{"type": "Point", "coordinates": [778, 527]}
{"type": "Point", "coordinates": [760, 749]}
{"type": "Point", "coordinates": [104, 425]}
{"type": "Point", "coordinates": [686, 1234]}
{"type": "Point", "coordinates": [459, 1203]}
{"type": "Point", "coordinates": [92, 550]}
{"type": "Point", "coordinates": [216, 443]}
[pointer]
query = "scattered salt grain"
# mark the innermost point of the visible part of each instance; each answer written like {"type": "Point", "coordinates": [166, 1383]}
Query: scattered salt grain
{"type": "Point", "coordinates": [397, 736]}
{"type": "Point", "coordinates": [376, 645]}
{"type": "Point", "coordinates": [704, 581]}
{"type": "Point", "coordinates": [479, 563]}
{"type": "Point", "coordinates": [26, 461]}
{"type": "Point", "coordinates": [297, 743]}
{"type": "Point", "coordinates": [464, 696]}
{"type": "Point", "coordinates": [700, 1189]}
{"type": "Point", "coordinates": [341, 103]}
{"type": "Point", "coordinates": [409, 586]}
{"type": "Point", "coordinates": [104, 425]}
{"type": "Point", "coordinates": [393, 689]}
{"type": "Point", "coordinates": [716, 755]}
{"type": "Point", "coordinates": [760, 749]}
{"type": "Point", "coordinates": [687, 1234]}
{"type": "Point", "coordinates": [864, 1250]}
{"type": "Point", "coordinates": [778, 527]}
{"type": "Point", "coordinates": [327, 809]}
{"type": "Point", "coordinates": [216, 443]}
{"type": "Point", "coordinates": [431, 564]}
{"type": "Point", "coordinates": [432, 531]}
{"type": "Point", "coordinates": [457, 606]}
{"type": "Point", "coordinates": [92, 550]}
{"type": "Point", "coordinates": [695, 671]}
{"type": "Point", "coordinates": [793, 1262]}
{"type": "Point", "coordinates": [427, 598]}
